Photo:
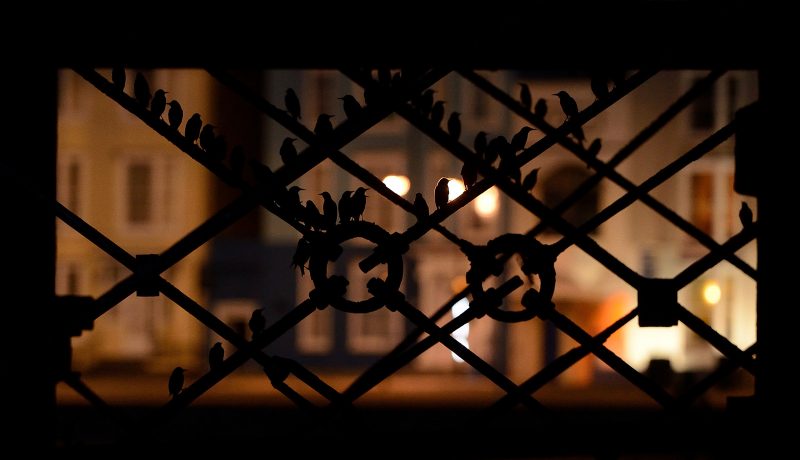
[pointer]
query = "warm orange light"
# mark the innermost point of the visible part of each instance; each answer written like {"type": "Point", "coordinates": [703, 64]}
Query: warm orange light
{"type": "Point", "coordinates": [487, 202]}
{"type": "Point", "coordinates": [712, 293]}
{"type": "Point", "coordinates": [456, 188]}
{"type": "Point", "coordinates": [398, 184]}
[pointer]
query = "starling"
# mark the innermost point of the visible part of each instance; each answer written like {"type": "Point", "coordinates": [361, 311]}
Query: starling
{"type": "Point", "coordinates": [497, 147]}
{"type": "Point", "coordinates": [599, 85]}
{"type": "Point", "coordinates": [421, 206]}
{"type": "Point", "coordinates": [359, 203]}
{"type": "Point", "coordinates": [594, 147]}
{"type": "Point", "coordinates": [301, 255]}
{"type": "Point", "coordinates": [175, 114]}
{"type": "Point", "coordinates": [288, 152]}
{"type": "Point", "coordinates": [469, 174]}
{"type": "Point", "coordinates": [292, 104]}
{"type": "Point", "coordinates": [437, 113]}
{"type": "Point", "coordinates": [328, 211]}
{"type": "Point", "coordinates": [520, 139]}
{"type": "Point", "coordinates": [425, 102]}
{"type": "Point", "coordinates": [257, 323]}
{"type": "Point", "coordinates": [215, 356]}
{"type": "Point", "coordinates": [175, 384]}
{"type": "Point", "coordinates": [312, 216]}
{"type": "Point", "coordinates": [745, 215]}
{"type": "Point", "coordinates": [577, 132]}
{"type": "Point", "coordinates": [192, 129]}
{"type": "Point", "coordinates": [352, 109]}
{"type": "Point", "coordinates": [159, 102]}
{"type": "Point", "coordinates": [568, 104]}
{"type": "Point", "coordinates": [118, 77]}
{"type": "Point", "coordinates": [207, 137]}
{"type": "Point", "coordinates": [530, 180]}
{"type": "Point", "coordinates": [525, 96]}
{"type": "Point", "coordinates": [479, 144]}
{"type": "Point", "coordinates": [290, 201]}
{"type": "Point", "coordinates": [540, 109]}
{"type": "Point", "coordinates": [141, 90]}
{"type": "Point", "coordinates": [346, 207]}
{"type": "Point", "coordinates": [454, 125]}
{"type": "Point", "coordinates": [324, 127]}
{"type": "Point", "coordinates": [508, 164]}
{"type": "Point", "coordinates": [441, 194]}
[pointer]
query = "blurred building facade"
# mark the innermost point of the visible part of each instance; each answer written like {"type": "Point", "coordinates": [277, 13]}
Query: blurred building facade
{"type": "Point", "coordinates": [101, 169]}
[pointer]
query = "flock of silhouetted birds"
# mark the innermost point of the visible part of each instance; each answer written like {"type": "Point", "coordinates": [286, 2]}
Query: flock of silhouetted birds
{"type": "Point", "coordinates": [351, 205]}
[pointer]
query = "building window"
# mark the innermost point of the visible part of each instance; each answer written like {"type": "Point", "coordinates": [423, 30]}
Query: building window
{"type": "Point", "coordinates": [146, 194]}
{"type": "Point", "coordinates": [702, 201]}
{"type": "Point", "coordinates": [713, 205]}
{"type": "Point", "coordinates": [315, 333]}
{"type": "Point", "coordinates": [71, 182]}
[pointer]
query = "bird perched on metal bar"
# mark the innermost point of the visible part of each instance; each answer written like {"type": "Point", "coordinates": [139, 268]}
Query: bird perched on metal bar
{"type": "Point", "coordinates": [118, 77]}
{"type": "Point", "coordinates": [520, 138]}
{"type": "Point", "coordinates": [292, 104]}
{"type": "Point", "coordinates": [437, 113]}
{"type": "Point", "coordinates": [257, 323]}
{"type": "Point", "coordinates": [359, 203]}
{"type": "Point", "coordinates": [441, 194]}
{"type": "Point", "coordinates": [568, 104]}
{"type": "Point", "coordinates": [312, 217]}
{"type": "Point", "coordinates": [175, 114]}
{"type": "Point", "coordinates": [159, 102]}
{"type": "Point", "coordinates": [141, 90]}
{"type": "Point", "coordinates": [215, 356]}
{"type": "Point", "coordinates": [192, 129]}
{"type": "Point", "coordinates": [599, 85]}
{"type": "Point", "coordinates": [328, 211]}
{"type": "Point", "coordinates": [454, 125]}
{"type": "Point", "coordinates": [479, 144]}
{"type": "Point", "coordinates": [207, 137]}
{"type": "Point", "coordinates": [175, 384]}
{"type": "Point", "coordinates": [301, 255]}
{"type": "Point", "coordinates": [288, 152]}
{"type": "Point", "coordinates": [421, 206]}
{"type": "Point", "coordinates": [525, 96]}
{"type": "Point", "coordinates": [424, 103]}
{"type": "Point", "coordinates": [530, 180]}
{"type": "Point", "coordinates": [469, 174]}
{"type": "Point", "coordinates": [352, 109]}
{"type": "Point", "coordinates": [540, 109]}
{"type": "Point", "coordinates": [745, 215]}
{"type": "Point", "coordinates": [324, 127]}
{"type": "Point", "coordinates": [346, 207]}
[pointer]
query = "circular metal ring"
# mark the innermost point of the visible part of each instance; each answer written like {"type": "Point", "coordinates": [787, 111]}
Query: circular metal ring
{"type": "Point", "coordinates": [369, 231]}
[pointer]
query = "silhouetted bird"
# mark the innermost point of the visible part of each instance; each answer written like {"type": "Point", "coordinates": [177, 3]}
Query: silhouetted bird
{"type": "Point", "coordinates": [346, 207]}
{"type": "Point", "coordinates": [525, 96]}
{"type": "Point", "coordinates": [159, 102]}
{"type": "Point", "coordinates": [599, 86]}
{"type": "Point", "coordinates": [540, 108]}
{"type": "Point", "coordinates": [498, 147]}
{"type": "Point", "coordinates": [520, 138]}
{"type": "Point", "coordinates": [141, 90]}
{"type": "Point", "coordinates": [568, 104]}
{"type": "Point", "coordinates": [530, 180]}
{"type": "Point", "coordinates": [479, 144]}
{"type": "Point", "coordinates": [454, 125]}
{"type": "Point", "coordinates": [469, 173]}
{"type": "Point", "coordinates": [359, 203]}
{"type": "Point", "coordinates": [594, 147]}
{"type": "Point", "coordinates": [437, 113]}
{"type": "Point", "coordinates": [441, 194]}
{"type": "Point", "coordinates": [508, 165]}
{"type": "Point", "coordinates": [257, 323]}
{"type": "Point", "coordinates": [215, 356]}
{"type": "Point", "coordinates": [312, 216]}
{"type": "Point", "coordinates": [745, 215]}
{"type": "Point", "coordinates": [207, 137]}
{"type": "Point", "coordinates": [118, 77]}
{"type": "Point", "coordinates": [288, 152]}
{"type": "Point", "coordinates": [328, 211]}
{"type": "Point", "coordinates": [192, 129]}
{"type": "Point", "coordinates": [352, 109]}
{"type": "Point", "coordinates": [175, 114]}
{"type": "Point", "coordinates": [236, 160]}
{"type": "Point", "coordinates": [292, 104]}
{"type": "Point", "coordinates": [421, 206]}
{"type": "Point", "coordinates": [175, 384]}
{"type": "Point", "coordinates": [219, 148]}
{"type": "Point", "coordinates": [324, 127]}
{"type": "Point", "coordinates": [290, 201]}
{"type": "Point", "coordinates": [301, 255]}
{"type": "Point", "coordinates": [425, 102]}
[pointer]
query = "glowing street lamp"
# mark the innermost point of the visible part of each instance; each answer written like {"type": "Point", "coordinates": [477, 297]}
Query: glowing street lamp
{"type": "Point", "coordinates": [398, 184]}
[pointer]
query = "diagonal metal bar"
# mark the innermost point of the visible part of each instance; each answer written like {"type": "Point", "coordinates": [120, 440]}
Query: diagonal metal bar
{"type": "Point", "coordinates": [717, 340]}
{"type": "Point", "coordinates": [605, 169]}
{"type": "Point", "coordinates": [562, 363]}
{"type": "Point", "coordinates": [723, 370]}
{"type": "Point", "coordinates": [699, 266]}
{"type": "Point", "coordinates": [644, 383]}
{"type": "Point", "coordinates": [226, 332]}
{"type": "Point", "coordinates": [434, 331]}
{"type": "Point", "coordinates": [74, 381]}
